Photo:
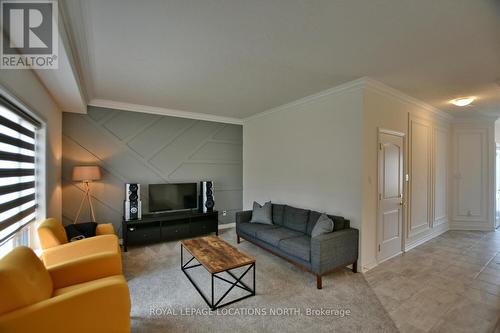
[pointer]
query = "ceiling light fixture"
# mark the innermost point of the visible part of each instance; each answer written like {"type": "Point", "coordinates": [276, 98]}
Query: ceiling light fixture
{"type": "Point", "coordinates": [462, 101]}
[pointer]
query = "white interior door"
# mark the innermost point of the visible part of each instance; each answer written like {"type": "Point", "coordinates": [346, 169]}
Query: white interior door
{"type": "Point", "coordinates": [390, 189]}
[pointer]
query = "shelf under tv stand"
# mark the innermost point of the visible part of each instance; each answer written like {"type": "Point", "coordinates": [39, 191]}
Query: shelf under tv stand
{"type": "Point", "coordinates": [161, 227]}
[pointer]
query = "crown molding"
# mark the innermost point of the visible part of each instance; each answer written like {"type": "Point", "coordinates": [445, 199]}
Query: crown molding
{"type": "Point", "coordinates": [384, 89]}
{"type": "Point", "coordinates": [359, 83]}
{"type": "Point", "coordinates": [104, 103]}
{"type": "Point", "coordinates": [72, 50]}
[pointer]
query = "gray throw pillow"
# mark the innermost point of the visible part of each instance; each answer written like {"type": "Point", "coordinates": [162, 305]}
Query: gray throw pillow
{"type": "Point", "coordinates": [262, 214]}
{"type": "Point", "coordinates": [324, 225]}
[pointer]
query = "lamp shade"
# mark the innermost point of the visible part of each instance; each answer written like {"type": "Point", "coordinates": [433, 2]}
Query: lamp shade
{"type": "Point", "coordinates": [86, 173]}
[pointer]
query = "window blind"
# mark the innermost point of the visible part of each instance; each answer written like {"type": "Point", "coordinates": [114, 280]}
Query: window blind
{"type": "Point", "coordinates": [17, 169]}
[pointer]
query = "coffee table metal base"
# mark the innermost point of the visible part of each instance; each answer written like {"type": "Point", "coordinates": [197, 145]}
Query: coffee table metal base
{"type": "Point", "coordinates": [236, 283]}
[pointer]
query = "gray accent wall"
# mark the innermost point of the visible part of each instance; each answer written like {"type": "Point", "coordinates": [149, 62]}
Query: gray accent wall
{"type": "Point", "coordinates": [145, 148]}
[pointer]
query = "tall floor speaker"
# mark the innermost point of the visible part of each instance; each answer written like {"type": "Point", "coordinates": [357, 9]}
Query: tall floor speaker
{"type": "Point", "coordinates": [132, 204]}
{"type": "Point", "coordinates": [206, 199]}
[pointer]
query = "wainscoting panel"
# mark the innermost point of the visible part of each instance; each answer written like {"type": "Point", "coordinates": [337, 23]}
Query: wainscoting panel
{"type": "Point", "coordinates": [471, 178]}
{"type": "Point", "coordinates": [441, 174]}
{"type": "Point", "coordinates": [146, 149]}
{"type": "Point", "coordinates": [420, 178]}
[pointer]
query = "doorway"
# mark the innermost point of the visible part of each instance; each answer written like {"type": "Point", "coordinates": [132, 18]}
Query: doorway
{"type": "Point", "coordinates": [391, 200]}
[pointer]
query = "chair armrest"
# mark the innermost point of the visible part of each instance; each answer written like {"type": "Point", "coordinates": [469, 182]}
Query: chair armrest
{"type": "Point", "coordinates": [78, 249]}
{"type": "Point", "coordinates": [101, 306]}
{"type": "Point", "coordinates": [86, 268]}
{"type": "Point", "coordinates": [335, 249]}
{"type": "Point", "coordinates": [104, 229]}
{"type": "Point", "coordinates": [243, 216]}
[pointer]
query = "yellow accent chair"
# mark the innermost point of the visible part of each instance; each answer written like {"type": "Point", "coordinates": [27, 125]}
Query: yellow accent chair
{"type": "Point", "coordinates": [83, 260]}
{"type": "Point", "coordinates": [52, 233]}
{"type": "Point", "coordinates": [32, 299]}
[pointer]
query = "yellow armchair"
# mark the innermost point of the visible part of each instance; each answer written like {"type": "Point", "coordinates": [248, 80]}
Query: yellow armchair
{"type": "Point", "coordinates": [31, 303]}
{"type": "Point", "coordinates": [51, 232]}
{"type": "Point", "coordinates": [84, 260]}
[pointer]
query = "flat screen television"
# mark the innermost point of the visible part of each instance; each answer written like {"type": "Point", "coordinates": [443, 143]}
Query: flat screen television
{"type": "Point", "coordinates": [165, 197]}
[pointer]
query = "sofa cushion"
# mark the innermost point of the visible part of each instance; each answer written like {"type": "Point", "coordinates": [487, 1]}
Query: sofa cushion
{"type": "Point", "coordinates": [324, 225]}
{"type": "Point", "coordinates": [311, 222]}
{"type": "Point", "coordinates": [299, 247]}
{"type": "Point", "coordinates": [80, 230]}
{"type": "Point", "coordinates": [274, 236]}
{"type": "Point", "coordinates": [296, 218]}
{"type": "Point", "coordinates": [252, 228]}
{"type": "Point", "coordinates": [262, 214]}
{"type": "Point", "coordinates": [278, 214]}
{"type": "Point", "coordinates": [339, 223]}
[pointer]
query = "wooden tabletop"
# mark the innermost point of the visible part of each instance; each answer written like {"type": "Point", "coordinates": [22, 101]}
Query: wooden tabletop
{"type": "Point", "coordinates": [215, 254]}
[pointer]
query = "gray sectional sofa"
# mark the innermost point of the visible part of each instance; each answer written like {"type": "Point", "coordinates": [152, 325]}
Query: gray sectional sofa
{"type": "Point", "coordinates": [290, 238]}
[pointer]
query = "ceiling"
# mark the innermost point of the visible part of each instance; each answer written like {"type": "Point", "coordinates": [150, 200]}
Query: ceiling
{"type": "Point", "coordinates": [236, 58]}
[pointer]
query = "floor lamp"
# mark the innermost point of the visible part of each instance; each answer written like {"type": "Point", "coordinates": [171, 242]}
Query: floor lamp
{"type": "Point", "coordinates": [86, 174]}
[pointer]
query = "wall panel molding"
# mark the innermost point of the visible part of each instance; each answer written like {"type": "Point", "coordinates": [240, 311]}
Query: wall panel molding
{"type": "Point", "coordinates": [441, 166]}
{"type": "Point", "coordinates": [420, 186]}
{"type": "Point", "coordinates": [148, 149]}
{"type": "Point", "coordinates": [473, 202]}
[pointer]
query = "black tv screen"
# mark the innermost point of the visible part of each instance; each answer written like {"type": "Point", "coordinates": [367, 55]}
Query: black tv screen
{"type": "Point", "coordinates": [164, 197]}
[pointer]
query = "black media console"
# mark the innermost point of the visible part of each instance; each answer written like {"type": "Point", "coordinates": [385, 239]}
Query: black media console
{"type": "Point", "coordinates": [168, 226]}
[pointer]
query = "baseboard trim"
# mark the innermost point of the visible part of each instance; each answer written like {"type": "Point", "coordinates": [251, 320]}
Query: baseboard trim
{"type": "Point", "coordinates": [440, 229]}
{"type": "Point", "coordinates": [227, 226]}
{"type": "Point", "coordinates": [471, 226]}
{"type": "Point", "coordinates": [388, 258]}
{"type": "Point", "coordinates": [365, 268]}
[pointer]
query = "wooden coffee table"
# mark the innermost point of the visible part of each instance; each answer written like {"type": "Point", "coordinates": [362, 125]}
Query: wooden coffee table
{"type": "Point", "coordinates": [217, 256]}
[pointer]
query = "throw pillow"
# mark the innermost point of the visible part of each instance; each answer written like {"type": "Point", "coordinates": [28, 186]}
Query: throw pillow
{"type": "Point", "coordinates": [324, 225]}
{"type": "Point", "coordinates": [80, 230]}
{"type": "Point", "coordinates": [262, 214]}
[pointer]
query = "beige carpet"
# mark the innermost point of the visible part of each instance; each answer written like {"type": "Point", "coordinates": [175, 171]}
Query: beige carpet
{"type": "Point", "coordinates": [163, 299]}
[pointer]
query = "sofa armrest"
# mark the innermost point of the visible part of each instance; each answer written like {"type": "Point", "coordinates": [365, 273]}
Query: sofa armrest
{"type": "Point", "coordinates": [335, 249]}
{"type": "Point", "coordinates": [243, 216]}
{"type": "Point", "coordinates": [86, 268]}
{"type": "Point", "coordinates": [104, 229]}
{"type": "Point", "coordinates": [79, 311]}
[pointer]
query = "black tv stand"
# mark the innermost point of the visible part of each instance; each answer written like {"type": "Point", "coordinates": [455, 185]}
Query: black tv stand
{"type": "Point", "coordinates": [160, 227]}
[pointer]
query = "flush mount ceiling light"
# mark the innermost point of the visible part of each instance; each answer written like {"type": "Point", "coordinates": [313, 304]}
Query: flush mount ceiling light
{"type": "Point", "coordinates": [462, 101]}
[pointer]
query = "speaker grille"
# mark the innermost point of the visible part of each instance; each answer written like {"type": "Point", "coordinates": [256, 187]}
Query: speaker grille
{"type": "Point", "coordinates": [207, 201]}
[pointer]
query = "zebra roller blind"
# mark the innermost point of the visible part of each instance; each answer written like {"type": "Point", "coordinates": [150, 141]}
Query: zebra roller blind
{"type": "Point", "coordinates": [18, 197]}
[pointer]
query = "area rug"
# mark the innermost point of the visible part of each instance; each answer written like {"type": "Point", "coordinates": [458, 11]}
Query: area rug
{"type": "Point", "coordinates": [163, 299]}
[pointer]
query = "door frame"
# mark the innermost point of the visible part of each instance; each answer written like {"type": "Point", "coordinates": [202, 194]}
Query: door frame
{"type": "Point", "coordinates": [381, 130]}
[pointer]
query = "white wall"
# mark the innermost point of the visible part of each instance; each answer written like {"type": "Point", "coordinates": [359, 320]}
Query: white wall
{"type": "Point", "coordinates": [321, 153]}
{"type": "Point", "coordinates": [307, 154]}
{"type": "Point", "coordinates": [380, 111]}
{"type": "Point", "coordinates": [25, 87]}
{"type": "Point", "coordinates": [427, 151]}
{"type": "Point", "coordinates": [473, 202]}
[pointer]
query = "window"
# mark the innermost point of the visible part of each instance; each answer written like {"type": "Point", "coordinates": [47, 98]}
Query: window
{"type": "Point", "coordinates": [18, 190]}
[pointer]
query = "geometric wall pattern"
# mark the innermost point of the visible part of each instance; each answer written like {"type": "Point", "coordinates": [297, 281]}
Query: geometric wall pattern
{"type": "Point", "coordinates": [148, 149]}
